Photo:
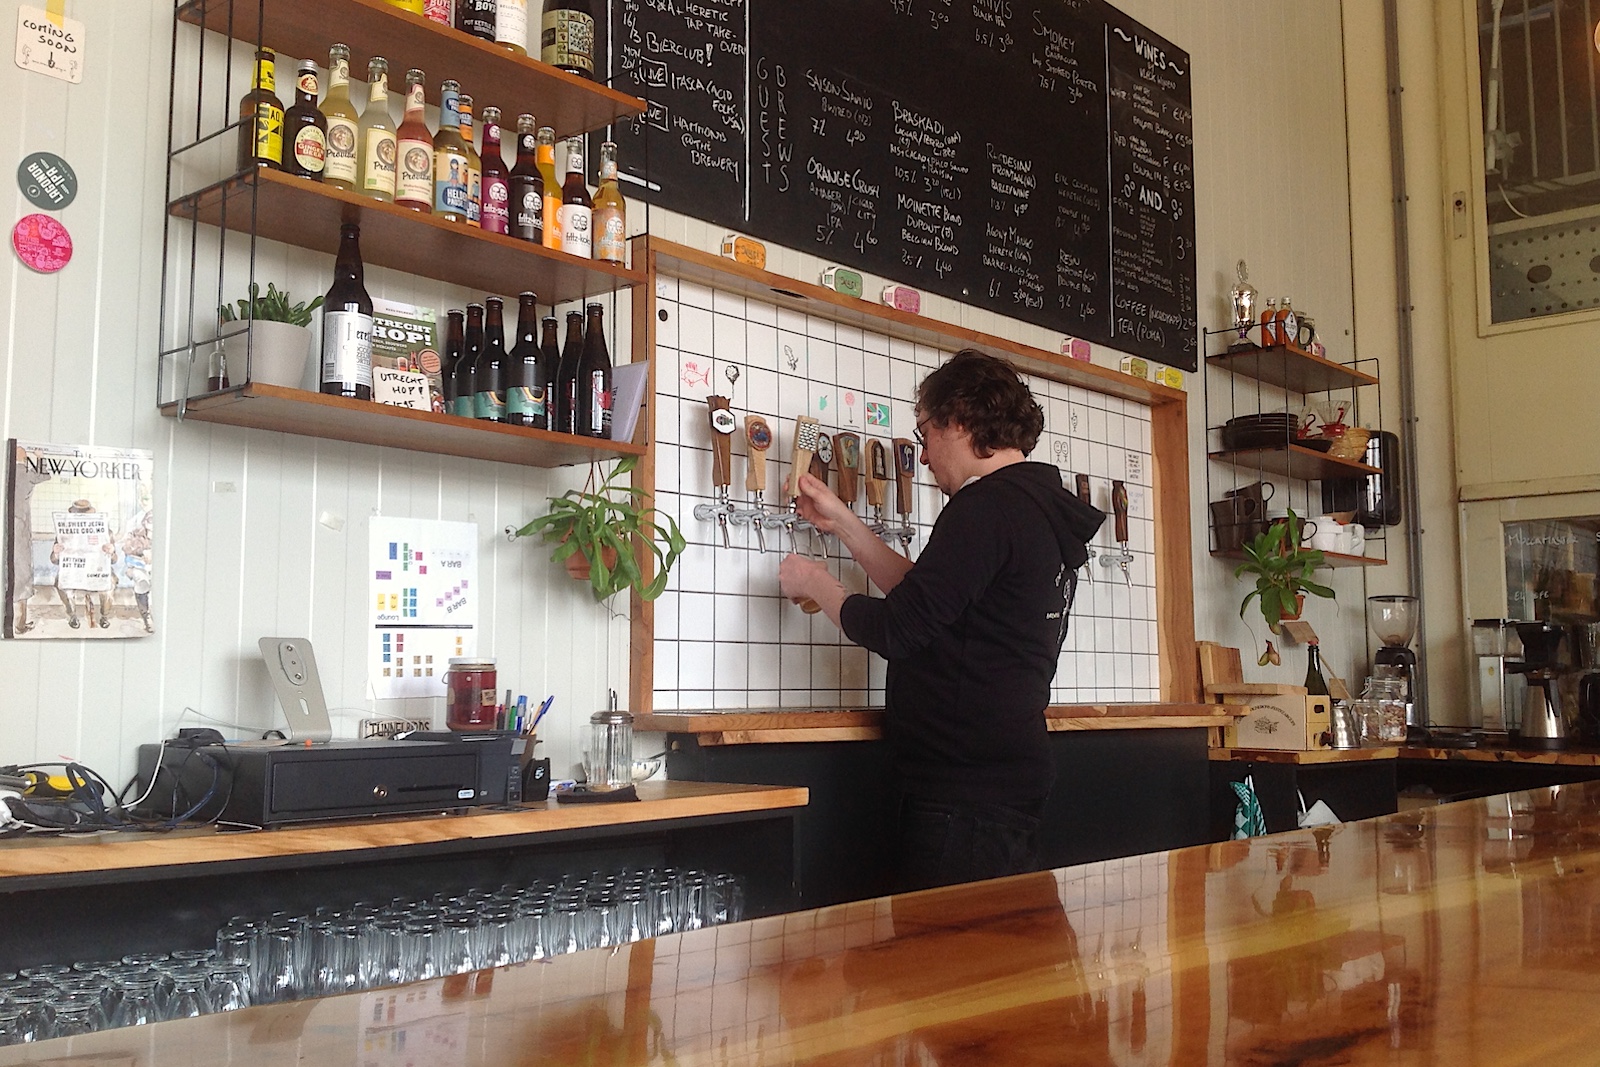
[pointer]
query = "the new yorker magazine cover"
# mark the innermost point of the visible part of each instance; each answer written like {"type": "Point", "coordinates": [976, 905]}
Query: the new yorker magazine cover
{"type": "Point", "coordinates": [80, 555]}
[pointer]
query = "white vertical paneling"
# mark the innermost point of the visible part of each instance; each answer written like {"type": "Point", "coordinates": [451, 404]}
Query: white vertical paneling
{"type": "Point", "coordinates": [79, 365]}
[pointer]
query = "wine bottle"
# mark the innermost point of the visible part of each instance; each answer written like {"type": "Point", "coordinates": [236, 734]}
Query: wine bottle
{"type": "Point", "coordinates": [347, 323]}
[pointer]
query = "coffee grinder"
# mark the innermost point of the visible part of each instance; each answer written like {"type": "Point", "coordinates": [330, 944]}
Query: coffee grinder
{"type": "Point", "coordinates": [1543, 707]}
{"type": "Point", "coordinates": [1394, 622]}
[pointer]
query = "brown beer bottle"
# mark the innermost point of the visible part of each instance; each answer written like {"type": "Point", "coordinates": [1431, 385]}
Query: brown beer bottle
{"type": "Point", "coordinates": [454, 339]}
{"type": "Point", "coordinates": [347, 323]}
{"type": "Point", "coordinates": [466, 404]}
{"type": "Point", "coordinates": [527, 186]}
{"type": "Point", "coordinates": [594, 378]}
{"type": "Point", "coordinates": [567, 375]}
{"type": "Point", "coordinates": [524, 387]}
{"type": "Point", "coordinates": [550, 368]}
{"type": "Point", "coordinates": [488, 374]}
{"type": "Point", "coordinates": [305, 129]}
{"type": "Point", "coordinates": [261, 118]}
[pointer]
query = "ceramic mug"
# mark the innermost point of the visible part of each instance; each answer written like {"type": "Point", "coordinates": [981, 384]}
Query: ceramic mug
{"type": "Point", "coordinates": [1328, 535]}
{"type": "Point", "coordinates": [1358, 538]}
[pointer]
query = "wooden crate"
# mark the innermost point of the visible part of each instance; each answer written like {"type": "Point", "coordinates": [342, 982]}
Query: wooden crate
{"type": "Point", "coordinates": [1280, 717]}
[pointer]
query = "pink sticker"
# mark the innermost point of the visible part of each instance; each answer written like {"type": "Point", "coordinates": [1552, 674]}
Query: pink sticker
{"type": "Point", "coordinates": [42, 243]}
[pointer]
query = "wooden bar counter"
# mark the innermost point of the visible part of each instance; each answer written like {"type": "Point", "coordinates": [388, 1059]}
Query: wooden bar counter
{"type": "Point", "coordinates": [1461, 934]}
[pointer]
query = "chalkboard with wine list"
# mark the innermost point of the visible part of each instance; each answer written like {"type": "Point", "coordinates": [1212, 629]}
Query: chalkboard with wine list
{"type": "Point", "coordinates": [1032, 158]}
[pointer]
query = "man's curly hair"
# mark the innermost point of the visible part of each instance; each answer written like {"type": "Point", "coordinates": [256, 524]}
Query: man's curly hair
{"type": "Point", "coordinates": [985, 396]}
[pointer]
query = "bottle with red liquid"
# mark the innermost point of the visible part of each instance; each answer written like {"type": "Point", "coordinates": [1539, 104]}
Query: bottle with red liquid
{"type": "Point", "coordinates": [495, 190]}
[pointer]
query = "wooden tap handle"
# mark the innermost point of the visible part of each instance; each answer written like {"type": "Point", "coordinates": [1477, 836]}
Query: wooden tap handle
{"type": "Point", "coordinates": [905, 471]}
{"type": "Point", "coordinates": [759, 437]}
{"type": "Point", "coordinates": [877, 474]}
{"type": "Point", "coordinates": [721, 440]}
{"type": "Point", "coordinates": [805, 446]}
{"type": "Point", "coordinates": [1083, 489]}
{"type": "Point", "coordinates": [847, 454]}
{"type": "Point", "coordinates": [822, 460]}
{"type": "Point", "coordinates": [1119, 507]}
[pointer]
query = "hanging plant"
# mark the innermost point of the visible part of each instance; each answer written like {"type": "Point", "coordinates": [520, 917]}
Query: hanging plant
{"type": "Point", "coordinates": [601, 524]}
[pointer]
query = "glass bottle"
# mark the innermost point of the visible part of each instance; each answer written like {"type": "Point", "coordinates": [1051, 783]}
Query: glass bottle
{"type": "Point", "coordinates": [454, 339]}
{"type": "Point", "coordinates": [340, 169]}
{"type": "Point", "coordinates": [414, 186]}
{"type": "Point", "coordinates": [511, 25]}
{"type": "Point", "coordinates": [261, 118]}
{"type": "Point", "coordinates": [377, 136]}
{"type": "Point", "coordinates": [610, 211]}
{"type": "Point", "coordinates": [347, 323]}
{"type": "Point", "coordinates": [524, 387]}
{"type": "Point", "coordinates": [1316, 684]}
{"type": "Point", "coordinates": [526, 186]}
{"type": "Point", "coordinates": [488, 373]}
{"type": "Point", "coordinates": [494, 216]}
{"type": "Point", "coordinates": [566, 38]}
{"type": "Point", "coordinates": [450, 157]}
{"type": "Point", "coordinates": [474, 164]}
{"type": "Point", "coordinates": [476, 17]}
{"type": "Point", "coordinates": [413, 6]}
{"type": "Point", "coordinates": [439, 11]}
{"type": "Point", "coordinates": [546, 161]}
{"type": "Point", "coordinates": [1288, 324]}
{"type": "Point", "coordinates": [550, 368]}
{"type": "Point", "coordinates": [577, 209]}
{"type": "Point", "coordinates": [305, 130]}
{"type": "Point", "coordinates": [567, 375]}
{"type": "Point", "coordinates": [471, 349]}
{"type": "Point", "coordinates": [593, 390]}
{"type": "Point", "coordinates": [1269, 323]}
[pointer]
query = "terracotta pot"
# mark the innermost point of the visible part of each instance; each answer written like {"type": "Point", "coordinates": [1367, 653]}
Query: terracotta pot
{"type": "Point", "coordinates": [1299, 606]}
{"type": "Point", "coordinates": [578, 563]}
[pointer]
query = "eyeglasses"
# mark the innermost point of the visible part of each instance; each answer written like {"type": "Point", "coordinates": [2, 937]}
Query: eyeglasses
{"type": "Point", "coordinates": [922, 442]}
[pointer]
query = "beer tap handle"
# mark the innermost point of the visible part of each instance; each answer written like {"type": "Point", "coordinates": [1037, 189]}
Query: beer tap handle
{"type": "Point", "coordinates": [905, 469]}
{"type": "Point", "coordinates": [1084, 495]}
{"type": "Point", "coordinates": [1119, 509]}
{"type": "Point", "coordinates": [722, 426]}
{"type": "Point", "coordinates": [1083, 489]}
{"type": "Point", "coordinates": [822, 461]}
{"type": "Point", "coordinates": [759, 437]}
{"type": "Point", "coordinates": [847, 454]}
{"type": "Point", "coordinates": [806, 431]}
{"type": "Point", "coordinates": [877, 476]}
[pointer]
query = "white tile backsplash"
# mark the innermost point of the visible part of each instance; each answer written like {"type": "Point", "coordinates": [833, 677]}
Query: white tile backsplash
{"type": "Point", "coordinates": [724, 636]}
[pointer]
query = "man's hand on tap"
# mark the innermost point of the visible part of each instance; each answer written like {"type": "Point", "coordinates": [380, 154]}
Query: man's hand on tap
{"type": "Point", "coordinates": [820, 506]}
{"type": "Point", "coordinates": [803, 579]}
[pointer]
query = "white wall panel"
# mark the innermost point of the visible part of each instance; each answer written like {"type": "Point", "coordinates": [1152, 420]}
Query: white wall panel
{"type": "Point", "coordinates": [77, 364]}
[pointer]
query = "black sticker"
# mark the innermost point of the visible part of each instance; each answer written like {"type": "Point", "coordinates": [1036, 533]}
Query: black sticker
{"type": "Point", "coordinates": [47, 180]}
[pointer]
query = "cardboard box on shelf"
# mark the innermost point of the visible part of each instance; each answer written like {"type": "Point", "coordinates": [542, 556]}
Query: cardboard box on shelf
{"type": "Point", "coordinates": [1281, 717]}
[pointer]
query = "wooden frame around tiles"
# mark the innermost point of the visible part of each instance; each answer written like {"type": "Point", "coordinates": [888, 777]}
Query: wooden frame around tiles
{"type": "Point", "coordinates": [1169, 437]}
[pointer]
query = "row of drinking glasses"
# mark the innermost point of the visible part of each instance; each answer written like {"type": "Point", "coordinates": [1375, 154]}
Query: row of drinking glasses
{"type": "Point", "coordinates": [295, 956]}
{"type": "Point", "coordinates": [57, 1000]}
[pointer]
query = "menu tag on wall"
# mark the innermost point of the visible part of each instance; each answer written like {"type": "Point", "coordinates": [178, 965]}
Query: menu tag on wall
{"type": "Point", "coordinates": [47, 180]}
{"type": "Point", "coordinates": [50, 44]}
{"type": "Point", "coordinates": [42, 243]}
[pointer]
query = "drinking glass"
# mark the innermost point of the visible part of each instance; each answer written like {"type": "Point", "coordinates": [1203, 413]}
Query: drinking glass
{"type": "Point", "coordinates": [137, 999]}
{"type": "Point", "coordinates": [417, 960]}
{"type": "Point", "coordinates": [494, 936]}
{"type": "Point", "coordinates": [276, 953]}
{"type": "Point", "coordinates": [229, 986]}
{"type": "Point", "coordinates": [78, 1012]}
{"type": "Point", "coordinates": [727, 899]}
{"type": "Point", "coordinates": [453, 944]}
{"type": "Point", "coordinates": [566, 925]}
{"type": "Point", "coordinates": [693, 897]}
{"type": "Point", "coordinates": [35, 1019]}
{"type": "Point", "coordinates": [383, 960]}
{"type": "Point", "coordinates": [189, 997]}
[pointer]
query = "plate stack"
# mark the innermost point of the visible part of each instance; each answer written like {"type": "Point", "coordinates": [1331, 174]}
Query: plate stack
{"type": "Point", "coordinates": [1266, 430]}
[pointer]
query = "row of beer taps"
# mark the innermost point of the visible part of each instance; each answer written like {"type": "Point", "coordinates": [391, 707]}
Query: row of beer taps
{"type": "Point", "coordinates": [855, 462]}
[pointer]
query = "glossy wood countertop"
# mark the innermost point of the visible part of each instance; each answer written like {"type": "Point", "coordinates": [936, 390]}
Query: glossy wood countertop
{"type": "Point", "coordinates": [758, 726]}
{"type": "Point", "coordinates": [34, 857]}
{"type": "Point", "coordinates": [1464, 934]}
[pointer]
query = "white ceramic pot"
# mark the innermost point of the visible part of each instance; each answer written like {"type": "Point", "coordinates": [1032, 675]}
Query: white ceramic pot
{"type": "Point", "coordinates": [277, 353]}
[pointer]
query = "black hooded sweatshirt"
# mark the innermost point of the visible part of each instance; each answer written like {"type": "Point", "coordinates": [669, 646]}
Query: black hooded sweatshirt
{"type": "Point", "coordinates": [972, 634]}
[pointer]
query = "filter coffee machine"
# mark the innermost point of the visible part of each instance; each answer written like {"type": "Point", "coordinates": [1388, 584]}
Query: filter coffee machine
{"type": "Point", "coordinates": [1394, 622]}
{"type": "Point", "coordinates": [1543, 707]}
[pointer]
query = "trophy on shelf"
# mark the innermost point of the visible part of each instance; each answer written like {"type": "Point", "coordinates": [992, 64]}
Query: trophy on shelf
{"type": "Point", "coordinates": [1243, 299]}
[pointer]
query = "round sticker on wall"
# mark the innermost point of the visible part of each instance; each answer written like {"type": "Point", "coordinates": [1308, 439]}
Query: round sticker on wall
{"type": "Point", "coordinates": [47, 181]}
{"type": "Point", "coordinates": [42, 243]}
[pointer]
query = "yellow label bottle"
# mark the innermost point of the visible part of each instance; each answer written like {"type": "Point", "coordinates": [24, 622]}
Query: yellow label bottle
{"type": "Point", "coordinates": [342, 167]}
{"type": "Point", "coordinates": [380, 148]}
{"type": "Point", "coordinates": [413, 6]}
{"type": "Point", "coordinates": [261, 119]}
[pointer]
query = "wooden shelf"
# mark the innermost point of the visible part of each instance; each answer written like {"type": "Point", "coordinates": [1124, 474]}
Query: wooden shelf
{"type": "Point", "coordinates": [307, 214]}
{"type": "Point", "coordinates": [1330, 559]}
{"type": "Point", "coordinates": [270, 407]}
{"type": "Point", "coordinates": [1291, 368]}
{"type": "Point", "coordinates": [1295, 461]}
{"type": "Point", "coordinates": [494, 76]}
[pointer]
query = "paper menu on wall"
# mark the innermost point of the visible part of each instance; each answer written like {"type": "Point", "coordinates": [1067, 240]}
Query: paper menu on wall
{"type": "Point", "coordinates": [423, 602]}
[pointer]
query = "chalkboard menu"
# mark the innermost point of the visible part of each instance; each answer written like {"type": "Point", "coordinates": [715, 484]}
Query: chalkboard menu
{"type": "Point", "coordinates": [1034, 158]}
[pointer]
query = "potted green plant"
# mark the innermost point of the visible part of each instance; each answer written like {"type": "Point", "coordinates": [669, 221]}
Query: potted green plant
{"type": "Point", "coordinates": [279, 341]}
{"type": "Point", "coordinates": [595, 526]}
{"type": "Point", "coordinates": [1282, 567]}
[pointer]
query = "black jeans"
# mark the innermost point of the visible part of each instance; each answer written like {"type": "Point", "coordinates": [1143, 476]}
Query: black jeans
{"type": "Point", "coordinates": [943, 843]}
